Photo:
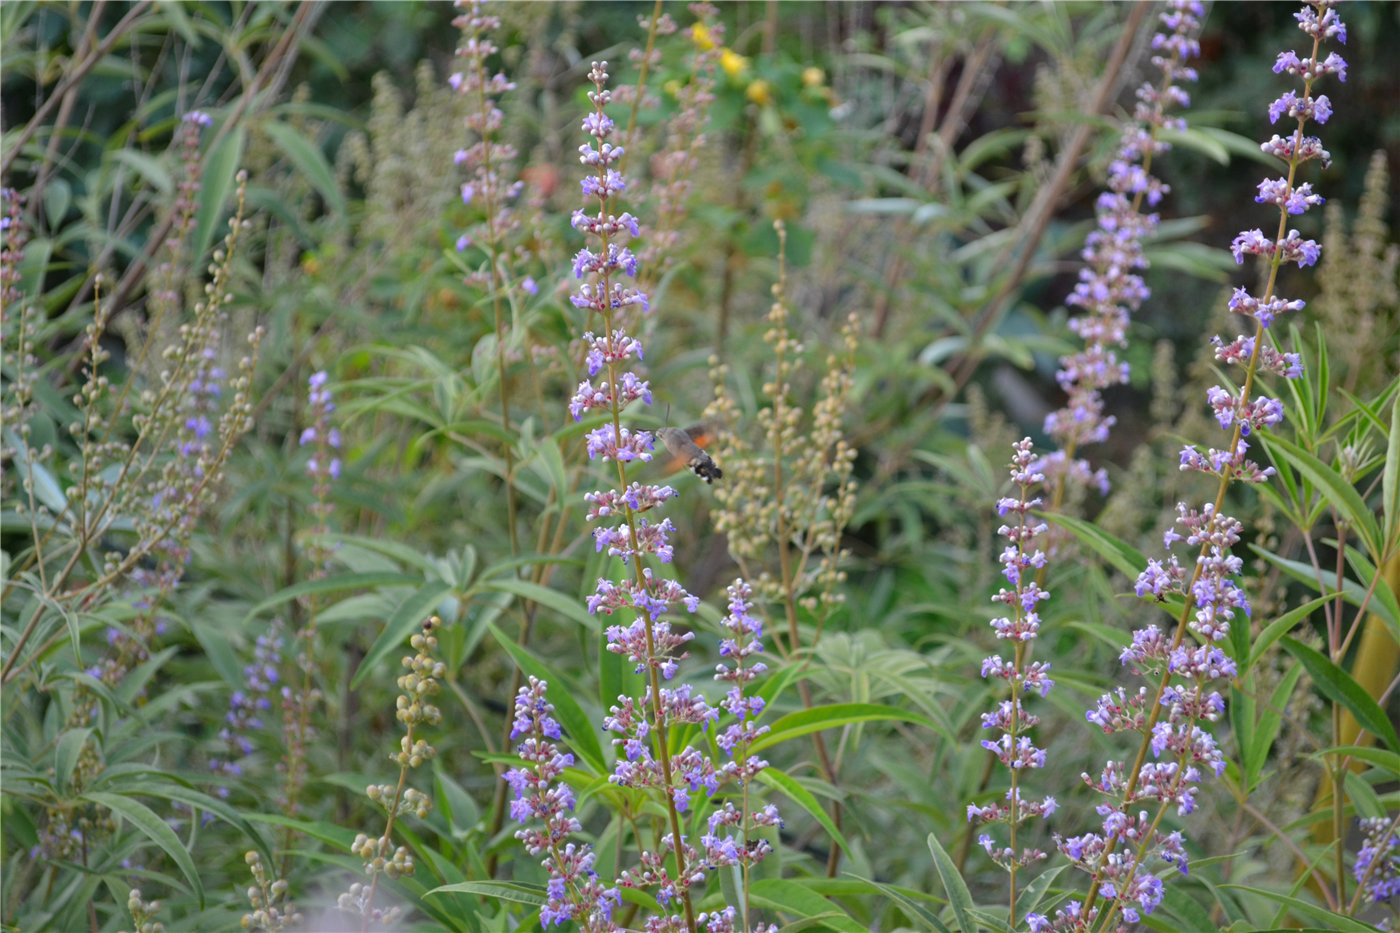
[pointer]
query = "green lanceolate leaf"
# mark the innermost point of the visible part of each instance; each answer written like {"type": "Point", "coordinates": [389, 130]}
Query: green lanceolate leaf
{"type": "Point", "coordinates": [407, 619]}
{"type": "Point", "coordinates": [579, 730]}
{"type": "Point", "coordinates": [532, 894]}
{"type": "Point", "coordinates": [804, 799]}
{"type": "Point", "coordinates": [154, 828]}
{"type": "Point", "coordinates": [1339, 493]}
{"type": "Point", "coordinates": [1338, 686]}
{"type": "Point", "coordinates": [959, 897]}
{"type": "Point", "coordinates": [807, 721]}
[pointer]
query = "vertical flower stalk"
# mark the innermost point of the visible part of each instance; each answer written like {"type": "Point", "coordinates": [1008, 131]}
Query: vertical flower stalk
{"type": "Point", "coordinates": [648, 640]}
{"type": "Point", "coordinates": [673, 168]}
{"type": "Point", "coordinates": [414, 709]}
{"type": "Point", "coordinates": [485, 161]}
{"type": "Point", "coordinates": [323, 467]}
{"type": "Point", "coordinates": [248, 705]}
{"type": "Point", "coordinates": [574, 891]}
{"type": "Point", "coordinates": [299, 699]}
{"type": "Point", "coordinates": [1109, 287]}
{"type": "Point", "coordinates": [1020, 560]}
{"type": "Point", "coordinates": [1173, 722]}
{"type": "Point", "coordinates": [742, 642]}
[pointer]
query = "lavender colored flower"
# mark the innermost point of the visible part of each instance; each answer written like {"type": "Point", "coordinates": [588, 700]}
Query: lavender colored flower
{"type": "Point", "coordinates": [1177, 749]}
{"type": "Point", "coordinates": [1377, 866]}
{"type": "Point", "coordinates": [1110, 287]}
{"type": "Point", "coordinates": [487, 159]}
{"type": "Point", "coordinates": [574, 891]}
{"type": "Point", "coordinates": [250, 704]}
{"type": "Point", "coordinates": [1021, 560]}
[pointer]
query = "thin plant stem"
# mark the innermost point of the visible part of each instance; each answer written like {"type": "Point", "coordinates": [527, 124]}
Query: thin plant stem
{"type": "Point", "coordinates": [630, 136]}
{"type": "Point", "coordinates": [833, 859]}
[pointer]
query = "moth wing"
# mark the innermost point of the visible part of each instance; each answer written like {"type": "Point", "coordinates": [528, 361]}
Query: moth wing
{"type": "Point", "coordinates": [704, 433]}
{"type": "Point", "coordinates": [673, 464]}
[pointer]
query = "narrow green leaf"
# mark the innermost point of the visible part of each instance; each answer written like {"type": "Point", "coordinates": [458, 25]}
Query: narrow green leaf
{"type": "Point", "coordinates": [1383, 602]}
{"type": "Point", "coordinates": [220, 167]}
{"type": "Point", "coordinates": [1266, 730]}
{"type": "Point", "coordinates": [154, 828]}
{"type": "Point", "coordinates": [1390, 479]}
{"type": "Point", "coordinates": [807, 721]}
{"type": "Point", "coordinates": [1035, 891]}
{"type": "Point", "coordinates": [148, 167]}
{"type": "Point", "coordinates": [308, 159]}
{"type": "Point", "coordinates": [792, 898]}
{"type": "Point", "coordinates": [959, 897]}
{"type": "Point", "coordinates": [1123, 556]}
{"type": "Point", "coordinates": [155, 785]}
{"type": "Point", "coordinates": [1337, 491]}
{"type": "Point", "coordinates": [804, 799]}
{"type": "Point", "coordinates": [1338, 686]}
{"type": "Point", "coordinates": [406, 619]}
{"type": "Point", "coordinates": [47, 491]}
{"type": "Point", "coordinates": [912, 908]}
{"type": "Point", "coordinates": [579, 730]}
{"type": "Point", "coordinates": [566, 606]}
{"type": "Point", "coordinates": [1352, 591]}
{"type": "Point", "coordinates": [1201, 142]}
{"type": "Point", "coordinates": [1283, 625]}
{"type": "Point", "coordinates": [1322, 914]}
{"type": "Point", "coordinates": [1389, 761]}
{"type": "Point", "coordinates": [532, 894]}
{"type": "Point", "coordinates": [344, 581]}
{"type": "Point", "coordinates": [1241, 710]}
{"type": "Point", "coordinates": [65, 755]}
{"type": "Point", "coordinates": [337, 837]}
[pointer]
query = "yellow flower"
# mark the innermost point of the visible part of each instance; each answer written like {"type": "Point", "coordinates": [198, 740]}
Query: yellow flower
{"type": "Point", "coordinates": [759, 93]}
{"type": "Point", "coordinates": [672, 87]}
{"type": "Point", "coordinates": [733, 63]}
{"type": "Point", "coordinates": [813, 77]}
{"type": "Point", "coordinates": [700, 35]}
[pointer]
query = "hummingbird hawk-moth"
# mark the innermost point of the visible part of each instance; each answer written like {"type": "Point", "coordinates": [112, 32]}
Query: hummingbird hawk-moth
{"type": "Point", "coordinates": [687, 449]}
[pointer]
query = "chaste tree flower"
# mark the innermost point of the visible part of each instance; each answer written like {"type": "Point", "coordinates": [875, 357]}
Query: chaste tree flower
{"type": "Point", "coordinates": [1177, 750]}
{"type": "Point", "coordinates": [643, 727]}
{"type": "Point", "coordinates": [1021, 560]}
{"type": "Point", "coordinates": [1110, 287]}
{"type": "Point", "coordinates": [1377, 867]}
{"type": "Point", "coordinates": [574, 891]}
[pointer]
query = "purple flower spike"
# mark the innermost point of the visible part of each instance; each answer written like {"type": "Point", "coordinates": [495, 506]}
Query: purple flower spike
{"type": "Point", "coordinates": [1110, 285]}
{"type": "Point", "coordinates": [1177, 750]}
{"type": "Point", "coordinates": [1022, 563]}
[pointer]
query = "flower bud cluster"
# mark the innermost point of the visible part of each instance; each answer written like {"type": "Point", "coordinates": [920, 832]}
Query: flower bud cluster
{"type": "Point", "coordinates": [143, 913]}
{"type": "Point", "coordinates": [267, 897]}
{"type": "Point", "coordinates": [413, 708]}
